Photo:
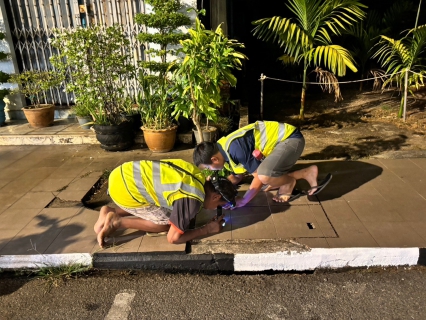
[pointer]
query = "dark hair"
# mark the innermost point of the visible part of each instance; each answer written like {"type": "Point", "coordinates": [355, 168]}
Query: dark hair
{"type": "Point", "coordinates": [203, 153]}
{"type": "Point", "coordinates": [224, 187]}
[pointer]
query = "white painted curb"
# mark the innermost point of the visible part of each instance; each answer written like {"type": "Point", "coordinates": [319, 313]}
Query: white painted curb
{"type": "Point", "coordinates": [40, 260]}
{"type": "Point", "coordinates": [332, 258]}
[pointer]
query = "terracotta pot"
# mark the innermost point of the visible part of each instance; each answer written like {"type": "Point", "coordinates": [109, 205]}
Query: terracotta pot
{"type": "Point", "coordinates": [40, 117]}
{"type": "Point", "coordinates": [160, 140]}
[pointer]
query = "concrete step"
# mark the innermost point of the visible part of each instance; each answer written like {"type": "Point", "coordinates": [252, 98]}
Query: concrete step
{"type": "Point", "coordinates": [63, 131]}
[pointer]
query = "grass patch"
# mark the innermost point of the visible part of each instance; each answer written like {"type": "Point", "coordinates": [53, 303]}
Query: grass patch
{"type": "Point", "coordinates": [55, 276]}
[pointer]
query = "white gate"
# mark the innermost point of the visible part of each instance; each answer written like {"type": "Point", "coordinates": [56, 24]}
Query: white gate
{"type": "Point", "coordinates": [32, 21]}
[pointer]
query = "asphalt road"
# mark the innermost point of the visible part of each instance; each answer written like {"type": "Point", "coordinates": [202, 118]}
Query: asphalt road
{"type": "Point", "coordinates": [355, 294]}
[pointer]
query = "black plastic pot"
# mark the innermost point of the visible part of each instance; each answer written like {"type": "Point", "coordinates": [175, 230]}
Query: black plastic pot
{"type": "Point", "coordinates": [115, 138]}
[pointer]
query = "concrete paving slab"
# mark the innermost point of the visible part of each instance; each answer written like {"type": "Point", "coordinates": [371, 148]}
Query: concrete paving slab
{"type": "Point", "coordinates": [253, 223]}
{"type": "Point", "coordinates": [50, 184]}
{"type": "Point", "coordinates": [296, 222]}
{"type": "Point", "coordinates": [160, 244]}
{"type": "Point", "coordinates": [22, 184]}
{"type": "Point", "coordinates": [33, 200]}
{"type": "Point", "coordinates": [77, 236]}
{"type": "Point", "coordinates": [123, 241]}
{"type": "Point", "coordinates": [375, 210]}
{"type": "Point", "coordinates": [40, 232]}
{"type": "Point", "coordinates": [8, 199]}
{"type": "Point", "coordinates": [351, 234]}
{"type": "Point", "coordinates": [4, 182]}
{"type": "Point", "coordinates": [394, 234]}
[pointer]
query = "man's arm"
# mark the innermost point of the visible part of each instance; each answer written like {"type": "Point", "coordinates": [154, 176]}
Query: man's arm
{"type": "Point", "coordinates": [255, 187]}
{"type": "Point", "coordinates": [235, 179]}
{"type": "Point", "coordinates": [176, 237]}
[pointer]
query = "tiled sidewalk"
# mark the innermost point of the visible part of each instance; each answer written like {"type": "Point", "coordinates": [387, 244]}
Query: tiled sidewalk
{"type": "Point", "coordinates": [372, 203]}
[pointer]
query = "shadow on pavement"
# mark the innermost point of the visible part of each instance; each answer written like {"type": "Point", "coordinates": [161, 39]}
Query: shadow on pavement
{"type": "Point", "coordinates": [39, 242]}
{"type": "Point", "coordinates": [347, 176]}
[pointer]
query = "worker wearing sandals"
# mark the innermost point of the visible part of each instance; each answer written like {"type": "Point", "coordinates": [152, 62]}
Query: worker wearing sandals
{"type": "Point", "coordinates": [162, 197]}
{"type": "Point", "coordinates": [266, 149]}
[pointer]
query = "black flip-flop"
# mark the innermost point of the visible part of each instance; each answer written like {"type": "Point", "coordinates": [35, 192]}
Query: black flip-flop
{"type": "Point", "coordinates": [320, 187]}
{"type": "Point", "coordinates": [295, 194]}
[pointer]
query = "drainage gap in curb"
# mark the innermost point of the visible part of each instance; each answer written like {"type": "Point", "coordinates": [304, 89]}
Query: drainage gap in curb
{"type": "Point", "coordinates": [98, 196]}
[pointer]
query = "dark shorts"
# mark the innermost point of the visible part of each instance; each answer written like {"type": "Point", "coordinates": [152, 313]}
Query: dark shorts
{"type": "Point", "coordinates": [282, 158]}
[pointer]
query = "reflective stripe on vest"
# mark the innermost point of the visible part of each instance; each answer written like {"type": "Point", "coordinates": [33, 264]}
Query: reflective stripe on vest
{"type": "Point", "coordinates": [264, 135]}
{"type": "Point", "coordinates": [161, 187]}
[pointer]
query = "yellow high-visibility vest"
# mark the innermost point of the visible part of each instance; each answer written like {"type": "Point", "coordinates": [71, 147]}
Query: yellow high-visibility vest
{"type": "Point", "coordinates": [266, 136]}
{"type": "Point", "coordinates": [140, 183]}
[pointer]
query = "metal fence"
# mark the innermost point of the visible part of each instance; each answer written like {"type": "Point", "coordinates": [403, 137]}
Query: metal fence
{"type": "Point", "coordinates": [32, 22]}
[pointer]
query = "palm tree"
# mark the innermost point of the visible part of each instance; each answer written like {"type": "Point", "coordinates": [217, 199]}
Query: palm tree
{"type": "Point", "coordinates": [405, 59]}
{"type": "Point", "coordinates": [308, 38]}
{"type": "Point", "coordinates": [365, 34]}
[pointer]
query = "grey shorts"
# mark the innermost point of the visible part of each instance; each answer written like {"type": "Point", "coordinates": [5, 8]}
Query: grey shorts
{"type": "Point", "coordinates": [282, 158]}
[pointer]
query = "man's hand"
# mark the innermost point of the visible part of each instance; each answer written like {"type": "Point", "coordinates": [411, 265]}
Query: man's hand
{"type": "Point", "coordinates": [239, 202]}
{"type": "Point", "coordinates": [235, 179]}
{"type": "Point", "coordinates": [215, 224]}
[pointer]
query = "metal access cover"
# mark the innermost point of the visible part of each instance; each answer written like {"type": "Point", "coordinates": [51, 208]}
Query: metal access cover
{"type": "Point", "coordinates": [302, 221]}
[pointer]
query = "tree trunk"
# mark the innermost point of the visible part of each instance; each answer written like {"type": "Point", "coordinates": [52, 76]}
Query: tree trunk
{"type": "Point", "coordinates": [302, 104]}
{"type": "Point", "coordinates": [302, 99]}
{"type": "Point", "coordinates": [196, 121]}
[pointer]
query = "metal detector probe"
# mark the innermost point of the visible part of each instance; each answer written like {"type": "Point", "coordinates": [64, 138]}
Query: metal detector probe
{"type": "Point", "coordinates": [219, 213]}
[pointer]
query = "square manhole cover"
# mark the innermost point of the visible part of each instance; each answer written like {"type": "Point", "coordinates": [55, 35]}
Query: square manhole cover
{"type": "Point", "coordinates": [302, 221]}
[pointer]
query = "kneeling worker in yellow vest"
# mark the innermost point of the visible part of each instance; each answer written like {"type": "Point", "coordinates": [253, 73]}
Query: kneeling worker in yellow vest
{"type": "Point", "coordinates": [266, 149]}
{"type": "Point", "coordinates": [165, 195]}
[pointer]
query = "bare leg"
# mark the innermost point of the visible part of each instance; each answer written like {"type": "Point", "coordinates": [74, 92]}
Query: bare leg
{"type": "Point", "coordinates": [114, 221]}
{"type": "Point", "coordinates": [310, 174]}
{"type": "Point", "coordinates": [102, 216]}
{"type": "Point", "coordinates": [287, 182]}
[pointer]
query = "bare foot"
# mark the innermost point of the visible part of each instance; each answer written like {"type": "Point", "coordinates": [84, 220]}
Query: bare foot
{"type": "Point", "coordinates": [101, 220]}
{"type": "Point", "coordinates": [112, 223]}
{"type": "Point", "coordinates": [269, 188]}
{"type": "Point", "coordinates": [311, 176]}
{"type": "Point", "coordinates": [284, 192]}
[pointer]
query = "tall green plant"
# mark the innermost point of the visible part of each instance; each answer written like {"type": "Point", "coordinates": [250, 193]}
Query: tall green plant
{"type": "Point", "coordinates": [154, 106]}
{"type": "Point", "coordinates": [96, 62]}
{"type": "Point", "coordinates": [307, 39]}
{"type": "Point", "coordinates": [162, 31]}
{"type": "Point", "coordinates": [209, 59]}
{"type": "Point", "coordinates": [165, 20]}
{"type": "Point", "coordinates": [4, 77]}
{"type": "Point", "coordinates": [404, 58]}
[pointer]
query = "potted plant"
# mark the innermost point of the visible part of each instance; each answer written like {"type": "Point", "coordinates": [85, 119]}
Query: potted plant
{"type": "Point", "coordinates": [209, 59]}
{"type": "Point", "coordinates": [4, 77]}
{"type": "Point", "coordinates": [96, 62]}
{"type": "Point", "coordinates": [33, 84]}
{"type": "Point", "coordinates": [83, 112]}
{"type": "Point", "coordinates": [154, 101]}
{"type": "Point", "coordinates": [158, 127]}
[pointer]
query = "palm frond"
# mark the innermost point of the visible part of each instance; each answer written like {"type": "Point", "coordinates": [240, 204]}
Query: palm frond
{"type": "Point", "coordinates": [288, 34]}
{"type": "Point", "coordinates": [379, 78]}
{"type": "Point", "coordinates": [286, 59]}
{"type": "Point", "coordinates": [334, 57]}
{"type": "Point", "coordinates": [328, 82]}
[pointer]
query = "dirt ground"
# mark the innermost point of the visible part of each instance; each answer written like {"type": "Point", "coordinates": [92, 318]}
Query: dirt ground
{"type": "Point", "coordinates": [363, 125]}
